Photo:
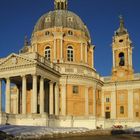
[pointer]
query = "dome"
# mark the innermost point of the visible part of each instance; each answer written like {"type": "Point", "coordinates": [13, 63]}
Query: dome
{"type": "Point", "coordinates": [61, 18]}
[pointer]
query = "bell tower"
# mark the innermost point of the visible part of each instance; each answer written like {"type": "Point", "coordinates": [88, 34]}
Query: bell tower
{"type": "Point", "coordinates": [60, 4]}
{"type": "Point", "coordinates": [122, 54]}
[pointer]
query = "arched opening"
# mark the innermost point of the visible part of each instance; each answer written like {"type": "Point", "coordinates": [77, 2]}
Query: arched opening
{"type": "Point", "coordinates": [122, 59]}
{"type": "Point", "coordinates": [58, 6]}
{"type": "Point", "coordinates": [48, 53]}
{"type": "Point", "coordinates": [121, 109]}
{"type": "Point", "coordinates": [62, 5]}
{"type": "Point", "coordinates": [70, 53]}
{"type": "Point", "coordinates": [70, 33]}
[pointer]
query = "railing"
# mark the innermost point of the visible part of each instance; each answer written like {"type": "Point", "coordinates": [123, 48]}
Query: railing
{"type": "Point", "coordinates": [43, 60]}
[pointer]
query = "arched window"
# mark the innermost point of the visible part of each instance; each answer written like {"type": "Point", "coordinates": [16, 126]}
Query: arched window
{"type": "Point", "coordinates": [48, 53]}
{"type": "Point", "coordinates": [70, 32]}
{"type": "Point", "coordinates": [122, 59]}
{"type": "Point", "coordinates": [121, 109]}
{"type": "Point", "coordinates": [70, 53]}
{"type": "Point", "coordinates": [47, 33]}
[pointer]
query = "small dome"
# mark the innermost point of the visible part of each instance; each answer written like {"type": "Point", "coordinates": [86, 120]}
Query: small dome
{"type": "Point", "coordinates": [121, 30]}
{"type": "Point", "coordinates": [61, 18]}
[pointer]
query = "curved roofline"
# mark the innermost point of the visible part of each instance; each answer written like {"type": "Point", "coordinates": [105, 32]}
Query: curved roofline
{"type": "Point", "coordinates": [81, 26]}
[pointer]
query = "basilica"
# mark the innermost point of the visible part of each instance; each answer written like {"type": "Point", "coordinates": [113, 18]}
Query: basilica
{"type": "Point", "coordinates": [52, 81]}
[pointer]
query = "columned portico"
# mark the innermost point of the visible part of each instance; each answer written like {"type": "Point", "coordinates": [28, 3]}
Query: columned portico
{"type": "Point", "coordinates": [8, 96]}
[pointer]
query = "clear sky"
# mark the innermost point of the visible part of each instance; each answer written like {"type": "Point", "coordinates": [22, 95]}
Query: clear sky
{"type": "Point", "coordinates": [18, 17]}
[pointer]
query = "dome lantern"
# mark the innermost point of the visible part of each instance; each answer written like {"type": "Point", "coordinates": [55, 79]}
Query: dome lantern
{"type": "Point", "coordinates": [60, 4]}
{"type": "Point", "coordinates": [121, 30]}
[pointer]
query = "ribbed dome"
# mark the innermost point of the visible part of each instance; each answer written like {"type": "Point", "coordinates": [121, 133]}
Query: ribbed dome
{"type": "Point", "coordinates": [61, 18]}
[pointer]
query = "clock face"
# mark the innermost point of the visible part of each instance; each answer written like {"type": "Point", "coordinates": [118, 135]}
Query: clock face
{"type": "Point", "coordinates": [14, 60]}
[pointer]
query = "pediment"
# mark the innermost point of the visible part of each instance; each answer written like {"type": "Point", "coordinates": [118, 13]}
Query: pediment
{"type": "Point", "coordinates": [15, 60]}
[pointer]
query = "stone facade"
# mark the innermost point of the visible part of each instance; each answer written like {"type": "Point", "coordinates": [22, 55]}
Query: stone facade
{"type": "Point", "coordinates": [53, 82]}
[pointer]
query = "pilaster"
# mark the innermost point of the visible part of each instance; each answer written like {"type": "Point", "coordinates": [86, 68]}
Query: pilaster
{"type": "Point", "coordinates": [86, 102]}
{"type": "Point", "coordinates": [130, 104]}
{"type": "Point", "coordinates": [56, 99]}
{"type": "Point", "coordinates": [94, 102]}
{"type": "Point", "coordinates": [63, 94]}
{"type": "Point", "coordinates": [113, 105]}
{"type": "Point", "coordinates": [81, 52]}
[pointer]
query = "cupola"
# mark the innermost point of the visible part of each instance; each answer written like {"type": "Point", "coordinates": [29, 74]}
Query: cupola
{"type": "Point", "coordinates": [60, 4]}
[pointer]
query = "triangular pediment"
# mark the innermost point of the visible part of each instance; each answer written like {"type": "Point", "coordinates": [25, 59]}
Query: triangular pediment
{"type": "Point", "coordinates": [15, 60]}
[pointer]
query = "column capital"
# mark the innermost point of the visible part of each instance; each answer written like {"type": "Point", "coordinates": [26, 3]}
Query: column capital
{"type": "Point", "coordinates": [51, 82]}
{"type": "Point", "coordinates": [86, 86]}
{"type": "Point", "coordinates": [34, 74]}
{"type": "Point", "coordinates": [57, 83]}
{"type": "Point", "coordinates": [42, 77]}
{"type": "Point", "coordinates": [23, 75]}
{"type": "Point", "coordinates": [7, 78]}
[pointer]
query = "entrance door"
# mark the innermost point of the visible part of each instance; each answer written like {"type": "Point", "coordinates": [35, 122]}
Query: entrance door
{"type": "Point", "coordinates": [107, 115]}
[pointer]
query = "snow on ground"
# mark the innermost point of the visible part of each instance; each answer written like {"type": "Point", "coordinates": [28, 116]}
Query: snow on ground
{"type": "Point", "coordinates": [37, 131]}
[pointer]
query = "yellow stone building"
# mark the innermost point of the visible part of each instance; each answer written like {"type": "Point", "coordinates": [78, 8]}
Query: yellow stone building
{"type": "Point", "coordinates": [53, 82]}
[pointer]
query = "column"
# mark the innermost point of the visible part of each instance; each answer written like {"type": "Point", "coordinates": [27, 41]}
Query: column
{"type": "Point", "coordinates": [86, 102]}
{"type": "Point", "coordinates": [0, 95]}
{"type": "Point", "coordinates": [61, 49]}
{"type": "Point", "coordinates": [131, 61]}
{"type": "Point", "coordinates": [34, 95]}
{"type": "Point", "coordinates": [113, 59]}
{"type": "Point", "coordinates": [8, 100]}
{"type": "Point", "coordinates": [42, 95]}
{"type": "Point", "coordinates": [17, 111]}
{"type": "Point", "coordinates": [54, 49]}
{"type": "Point", "coordinates": [56, 99]}
{"type": "Point", "coordinates": [130, 104]}
{"type": "Point", "coordinates": [93, 57]}
{"type": "Point", "coordinates": [63, 94]}
{"type": "Point", "coordinates": [14, 105]}
{"type": "Point", "coordinates": [85, 53]}
{"type": "Point", "coordinates": [81, 52]}
{"type": "Point", "coordinates": [94, 102]}
{"type": "Point", "coordinates": [24, 96]}
{"type": "Point", "coordinates": [51, 99]}
{"type": "Point", "coordinates": [113, 105]}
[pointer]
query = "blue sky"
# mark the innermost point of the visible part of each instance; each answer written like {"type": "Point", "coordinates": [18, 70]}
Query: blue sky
{"type": "Point", "coordinates": [18, 17]}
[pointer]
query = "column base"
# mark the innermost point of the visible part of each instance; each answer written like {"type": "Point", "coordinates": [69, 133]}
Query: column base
{"type": "Point", "coordinates": [61, 60]}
